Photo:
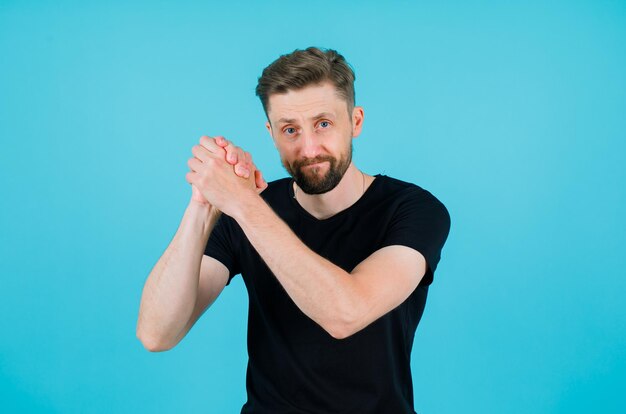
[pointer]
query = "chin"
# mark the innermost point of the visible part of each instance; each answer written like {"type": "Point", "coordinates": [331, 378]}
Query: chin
{"type": "Point", "coordinates": [318, 185]}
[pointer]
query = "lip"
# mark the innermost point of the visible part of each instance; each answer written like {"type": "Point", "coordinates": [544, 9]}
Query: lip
{"type": "Point", "coordinates": [317, 164]}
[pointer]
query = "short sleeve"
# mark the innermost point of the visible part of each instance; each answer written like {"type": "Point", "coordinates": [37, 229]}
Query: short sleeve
{"type": "Point", "coordinates": [421, 222]}
{"type": "Point", "coordinates": [223, 245]}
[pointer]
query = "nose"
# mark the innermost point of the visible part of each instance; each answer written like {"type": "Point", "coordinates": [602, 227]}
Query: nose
{"type": "Point", "coordinates": [311, 144]}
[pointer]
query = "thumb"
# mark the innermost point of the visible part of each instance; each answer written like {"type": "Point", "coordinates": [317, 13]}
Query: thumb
{"type": "Point", "coordinates": [259, 181]}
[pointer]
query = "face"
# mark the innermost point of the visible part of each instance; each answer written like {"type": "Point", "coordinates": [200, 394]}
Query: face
{"type": "Point", "coordinates": [313, 132]}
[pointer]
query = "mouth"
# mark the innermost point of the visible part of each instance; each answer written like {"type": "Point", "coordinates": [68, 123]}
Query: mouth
{"type": "Point", "coordinates": [317, 164]}
{"type": "Point", "coordinates": [315, 168]}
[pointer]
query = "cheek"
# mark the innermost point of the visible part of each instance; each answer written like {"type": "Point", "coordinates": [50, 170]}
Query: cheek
{"type": "Point", "coordinates": [287, 150]}
{"type": "Point", "coordinates": [285, 155]}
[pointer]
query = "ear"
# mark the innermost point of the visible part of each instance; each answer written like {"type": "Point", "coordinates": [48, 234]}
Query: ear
{"type": "Point", "coordinates": [357, 121]}
{"type": "Point", "coordinates": [269, 129]}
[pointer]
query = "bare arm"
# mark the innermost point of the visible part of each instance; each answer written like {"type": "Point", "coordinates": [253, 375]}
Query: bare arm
{"type": "Point", "coordinates": [172, 301]}
{"type": "Point", "coordinates": [340, 302]}
{"type": "Point", "coordinates": [185, 282]}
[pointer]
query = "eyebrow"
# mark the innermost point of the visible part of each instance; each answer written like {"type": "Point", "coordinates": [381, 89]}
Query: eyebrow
{"type": "Point", "coordinates": [318, 116]}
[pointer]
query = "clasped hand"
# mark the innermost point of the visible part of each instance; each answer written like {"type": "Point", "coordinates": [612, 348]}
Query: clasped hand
{"type": "Point", "coordinates": [222, 174]}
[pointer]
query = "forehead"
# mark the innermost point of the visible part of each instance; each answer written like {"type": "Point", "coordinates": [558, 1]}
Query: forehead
{"type": "Point", "coordinates": [306, 102]}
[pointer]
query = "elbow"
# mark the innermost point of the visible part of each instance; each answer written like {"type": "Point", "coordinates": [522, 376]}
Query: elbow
{"type": "Point", "coordinates": [338, 333]}
{"type": "Point", "coordinates": [341, 331]}
{"type": "Point", "coordinates": [152, 344]}
{"type": "Point", "coordinates": [342, 328]}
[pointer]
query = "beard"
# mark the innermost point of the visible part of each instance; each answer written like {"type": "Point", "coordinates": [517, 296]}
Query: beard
{"type": "Point", "coordinates": [313, 181]}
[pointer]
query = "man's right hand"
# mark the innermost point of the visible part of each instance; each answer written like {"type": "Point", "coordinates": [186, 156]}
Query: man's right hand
{"type": "Point", "coordinates": [234, 155]}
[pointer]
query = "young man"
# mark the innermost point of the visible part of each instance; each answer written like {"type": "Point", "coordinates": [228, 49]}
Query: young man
{"type": "Point", "coordinates": [336, 262]}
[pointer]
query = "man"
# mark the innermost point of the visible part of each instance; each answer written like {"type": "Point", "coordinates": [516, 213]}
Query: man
{"type": "Point", "coordinates": [336, 262]}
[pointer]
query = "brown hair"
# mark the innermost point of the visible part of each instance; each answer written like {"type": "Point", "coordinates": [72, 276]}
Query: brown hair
{"type": "Point", "coordinates": [303, 68]}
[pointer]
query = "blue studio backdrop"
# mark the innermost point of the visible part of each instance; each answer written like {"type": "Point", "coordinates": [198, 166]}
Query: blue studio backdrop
{"type": "Point", "coordinates": [511, 113]}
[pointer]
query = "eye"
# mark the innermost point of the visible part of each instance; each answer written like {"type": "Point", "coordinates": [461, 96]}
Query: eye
{"type": "Point", "coordinates": [324, 124]}
{"type": "Point", "coordinates": [289, 131]}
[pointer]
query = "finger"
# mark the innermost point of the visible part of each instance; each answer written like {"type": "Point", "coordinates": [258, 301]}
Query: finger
{"type": "Point", "coordinates": [241, 157]}
{"type": "Point", "coordinates": [210, 144]}
{"type": "Point", "coordinates": [252, 165]}
{"type": "Point", "coordinates": [194, 164]}
{"type": "Point", "coordinates": [243, 163]}
{"type": "Point", "coordinates": [221, 141]}
{"type": "Point", "coordinates": [201, 153]}
{"type": "Point", "coordinates": [247, 161]}
{"type": "Point", "coordinates": [191, 177]}
{"type": "Point", "coordinates": [242, 171]}
{"type": "Point", "coordinates": [233, 153]}
{"type": "Point", "coordinates": [259, 181]}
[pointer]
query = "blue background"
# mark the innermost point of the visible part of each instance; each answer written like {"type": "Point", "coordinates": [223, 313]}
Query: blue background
{"type": "Point", "coordinates": [511, 113]}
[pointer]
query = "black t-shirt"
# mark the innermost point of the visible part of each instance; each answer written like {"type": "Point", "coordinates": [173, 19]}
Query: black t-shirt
{"type": "Point", "coordinates": [294, 365]}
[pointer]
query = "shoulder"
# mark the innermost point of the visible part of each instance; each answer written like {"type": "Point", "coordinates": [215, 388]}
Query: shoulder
{"type": "Point", "coordinates": [412, 195]}
{"type": "Point", "coordinates": [419, 220]}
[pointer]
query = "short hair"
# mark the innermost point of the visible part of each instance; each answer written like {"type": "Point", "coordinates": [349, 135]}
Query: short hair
{"type": "Point", "coordinates": [302, 68]}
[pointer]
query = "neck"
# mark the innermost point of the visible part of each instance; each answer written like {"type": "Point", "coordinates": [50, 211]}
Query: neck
{"type": "Point", "coordinates": [347, 192]}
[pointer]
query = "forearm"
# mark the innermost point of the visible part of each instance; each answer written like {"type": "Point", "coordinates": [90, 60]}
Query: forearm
{"type": "Point", "coordinates": [170, 292]}
{"type": "Point", "coordinates": [323, 291]}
